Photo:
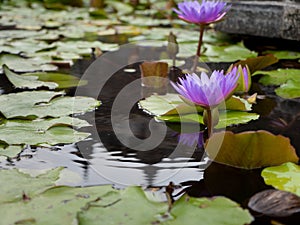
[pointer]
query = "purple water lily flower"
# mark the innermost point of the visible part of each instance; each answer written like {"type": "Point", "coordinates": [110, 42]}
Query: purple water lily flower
{"type": "Point", "coordinates": [202, 13]}
{"type": "Point", "coordinates": [207, 92]}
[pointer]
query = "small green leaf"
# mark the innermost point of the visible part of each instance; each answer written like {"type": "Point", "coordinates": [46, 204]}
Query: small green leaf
{"type": "Point", "coordinates": [250, 149]}
{"type": "Point", "coordinates": [30, 82]}
{"type": "Point", "coordinates": [285, 177]}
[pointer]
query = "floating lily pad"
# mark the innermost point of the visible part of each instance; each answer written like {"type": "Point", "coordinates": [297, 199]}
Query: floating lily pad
{"type": "Point", "coordinates": [291, 89]}
{"type": "Point", "coordinates": [285, 54]}
{"type": "Point", "coordinates": [10, 150]}
{"type": "Point", "coordinates": [39, 104]}
{"type": "Point", "coordinates": [219, 210]}
{"type": "Point", "coordinates": [226, 118]}
{"type": "Point", "coordinates": [230, 53]}
{"type": "Point", "coordinates": [63, 80]}
{"type": "Point", "coordinates": [279, 76]}
{"type": "Point", "coordinates": [19, 64]}
{"type": "Point", "coordinates": [285, 177]}
{"type": "Point", "coordinates": [251, 149]}
{"type": "Point", "coordinates": [17, 183]}
{"type": "Point", "coordinates": [40, 131]}
{"type": "Point", "coordinates": [172, 104]}
{"type": "Point", "coordinates": [31, 82]}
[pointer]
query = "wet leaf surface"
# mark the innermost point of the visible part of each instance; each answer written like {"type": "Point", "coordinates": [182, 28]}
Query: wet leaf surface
{"type": "Point", "coordinates": [251, 149]}
{"type": "Point", "coordinates": [284, 177]}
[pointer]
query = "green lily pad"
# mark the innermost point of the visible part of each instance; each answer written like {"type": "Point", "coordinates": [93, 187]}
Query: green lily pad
{"type": "Point", "coordinates": [229, 53]}
{"type": "Point", "coordinates": [63, 80]}
{"type": "Point", "coordinates": [291, 89]}
{"type": "Point", "coordinates": [27, 199]}
{"type": "Point", "coordinates": [279, 76]}
{"type": "Point", "coordinates": [30, 82]}
{"type": "Point", "coordinates": [19, 64]}
{"type": "Point", "coordinates": [285, 54]}
{"type": "Point", "coordinates": [285, 177]}
{"type": "Point", "coordinates": [58, 205]}
{"type": "Point", "coordinates": [227, 118]}
{"type": "Point", "coordinates": [41, 131]}
{"type": "Point", "coordinates": [172, 104]}
{"type": "Point", "coordinates": [219, 210]}
{"type": "Point", "coordinates": [122, 8]}
{"type": "Point", "coordinates": [10, 151]}
{"type": "Point", "coordinates": [34, 104]}
{"type": "Point", "coordinates": [17, 183]}
{"type": "Point", "coordinates": [251, 149]}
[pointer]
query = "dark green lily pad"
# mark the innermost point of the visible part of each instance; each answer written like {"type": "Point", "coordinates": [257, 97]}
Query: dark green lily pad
{"type": "Point", "coordinates": [40, 131]}
{"type": "Point", "coordinates": [63, 80]}
{"type": "Point", "coordinates": [30, 82]}
{"type": "Point", "coordinates": [17, 183]}
{"type": "Point", "coordinates": [285, 177]}
{"type": "Point", "coordinates": [251, 149]}
{"type": "Point", "coordinates": [34, 104]}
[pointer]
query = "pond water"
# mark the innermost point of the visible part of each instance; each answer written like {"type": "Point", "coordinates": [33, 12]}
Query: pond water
{"type": "Point", "coordinates": [103, 159]}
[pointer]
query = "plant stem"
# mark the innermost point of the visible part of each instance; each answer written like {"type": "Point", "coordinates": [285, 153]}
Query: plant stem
{"type": "Point", "coordinates": [209, 122]}
{"type": "Point", "coordinates": [198, 53]}
{"type": "Point", "coordinates": [200, 40]}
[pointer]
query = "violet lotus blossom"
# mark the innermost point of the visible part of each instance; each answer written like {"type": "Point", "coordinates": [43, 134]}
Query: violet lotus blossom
{"type": "Point", "coordinates": [202, 13]}
{"type": "Point", "coordinates": [207, 92]}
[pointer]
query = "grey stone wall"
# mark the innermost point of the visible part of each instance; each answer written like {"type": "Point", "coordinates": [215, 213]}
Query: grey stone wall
{"type": "Point", "coordinates": [273, 19]}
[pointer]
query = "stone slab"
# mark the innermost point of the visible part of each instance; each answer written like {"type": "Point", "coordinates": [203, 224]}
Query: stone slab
{"type": "Point", "coordinates": [272, 19]}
